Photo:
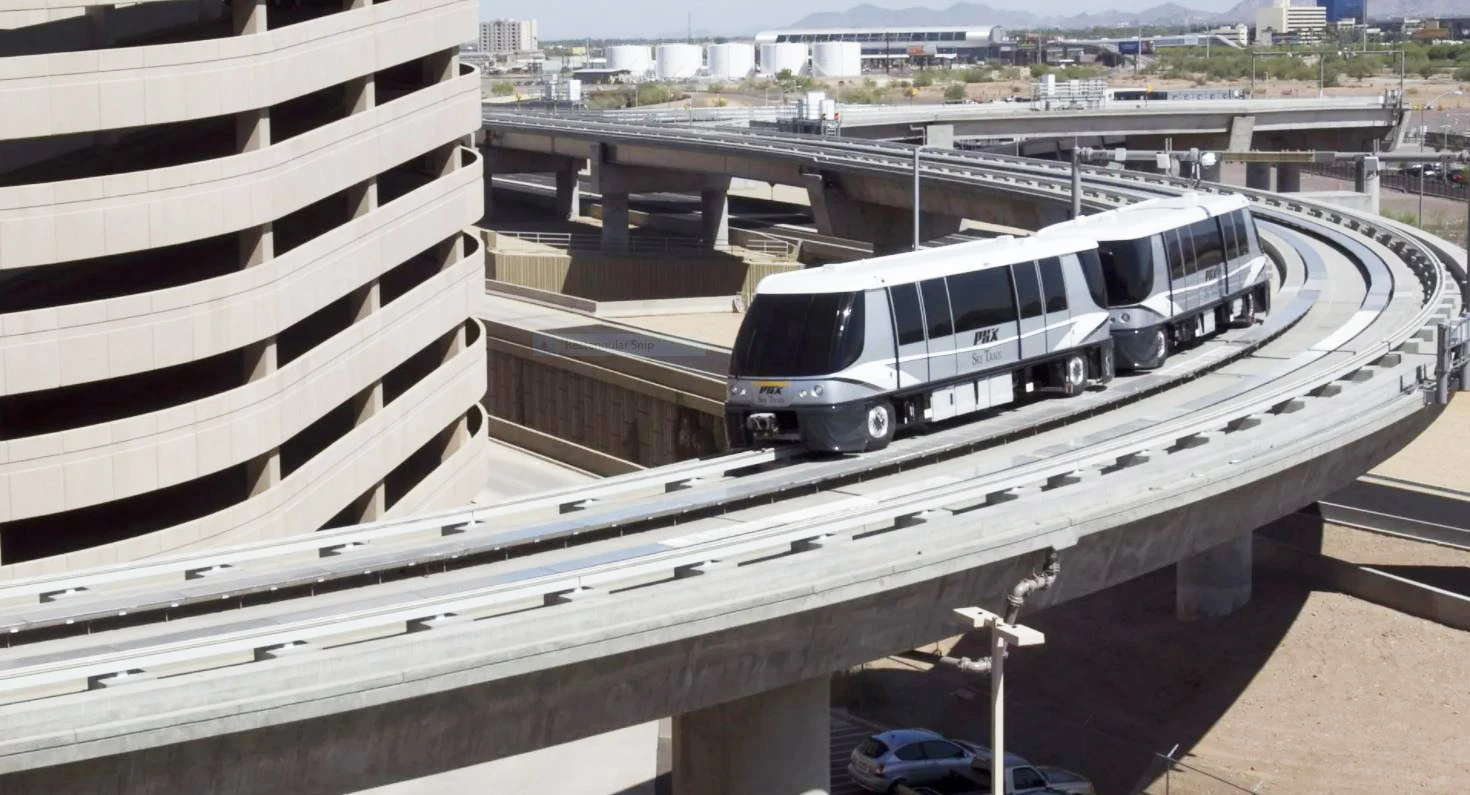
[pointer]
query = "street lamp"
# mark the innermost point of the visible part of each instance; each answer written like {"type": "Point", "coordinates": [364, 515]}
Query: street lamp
{"type": "Point", "coordinates": [1453, 92]}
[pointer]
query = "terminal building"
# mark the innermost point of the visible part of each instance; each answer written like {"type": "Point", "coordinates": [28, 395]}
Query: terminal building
{"type": "Point", "coordinates": [961, 44]}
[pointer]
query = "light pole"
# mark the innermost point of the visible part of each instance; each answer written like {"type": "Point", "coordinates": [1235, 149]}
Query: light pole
{"type": "Point", "coordinates": [1002, 634]}
{"type": "Point", "coordinates": [1451, 93]}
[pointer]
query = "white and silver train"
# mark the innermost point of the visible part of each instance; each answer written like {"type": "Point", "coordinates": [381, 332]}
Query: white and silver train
{"type": "Point", "coordinates": [1176, 269]}
{"type": "Point", "coordinates": [839, 357]}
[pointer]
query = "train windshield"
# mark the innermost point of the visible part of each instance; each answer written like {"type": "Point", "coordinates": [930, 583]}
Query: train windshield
{"type": "Point", "coordinates": [1128, 270]}
{"type": "Point", "coordinates": [799, 335]}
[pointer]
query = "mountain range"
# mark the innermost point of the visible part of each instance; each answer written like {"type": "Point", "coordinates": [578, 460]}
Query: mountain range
{"type": "Point", "coordinates": [868, 15]}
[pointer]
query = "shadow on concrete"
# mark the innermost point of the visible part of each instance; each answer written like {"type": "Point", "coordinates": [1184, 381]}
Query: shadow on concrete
{"type": "Point", "coordinates": [1118, 681]}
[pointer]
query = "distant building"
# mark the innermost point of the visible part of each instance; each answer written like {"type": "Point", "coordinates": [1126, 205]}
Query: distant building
{"type": "Point", "coordinates": [958, 43]}
{"type": "Point", "coordinates": [1239, 35]}
{"type": "Point", "coordinates": [506, 36]}
{"type": "Point", "coordinates": [1345, 10]}
{"type": "Point", "coordinates": [1282, 19]}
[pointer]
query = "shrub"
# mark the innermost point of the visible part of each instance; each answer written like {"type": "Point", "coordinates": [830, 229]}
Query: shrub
{"type": "Point", "coordinates": [954, 92]}
{"type": "Point", "coordinates": [502, 90]}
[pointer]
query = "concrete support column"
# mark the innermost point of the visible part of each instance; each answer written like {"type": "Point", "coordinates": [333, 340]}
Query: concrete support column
{"type": "Point", "coordinates": [939, 136]}
{"type": "Point", "coordinates": [366, 300]}
{"type": "Point", "coordinates": [361, 94]}
{"type": "Point", "coordinates": [348, 5]}
{"type": "Point", "coordinates": [771, 743]}
{"type": "Point", "coordinates": [1258, 176]}
{"type": "Point", "coordinates": [489, 182]}
{"type": "Point", "coordinates": [714, 216]}
{"type": "Point", "coordinates": [439, 66]}
{"type": "Point", "coordinates": [260, 359]}
{"type": "Point", "coordinates": [1289, 178]}
{"type": "Point", "coordinates": [568, 194]}
{"type": "Point", "coordinates": [263, 472]}
{"type": "Point", "coordinates": [249, 16]}
{"type": "Point", "coordinates": [372, 505]}
{"type": "Point", "coordinates": [1365, 180]}
{"type": "Point", "coordinates": [614, 222]}
{"type": "Point", "coordinates": [457, 342]}
{"type": "Point", "coordinates": [1214, 583]}
{"type": "Point", "coordinates": [257, 245]}
{"type": "Point", "coordinates": [368, 402]}
{"type": "Point", "coordinates": [442, 161]}
{"type": "Point", "coordinates": [99, 34]}
{"type": "Point", "coordinates": [362, 198]}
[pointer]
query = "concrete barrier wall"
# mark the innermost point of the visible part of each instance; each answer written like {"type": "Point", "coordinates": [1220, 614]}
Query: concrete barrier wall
{"type": "Point", "coordinates": [544, 444]}
{"type": "Point", "coordinates": [1362, 582]}
{"type": "Point", "coordinates": [614, 278]}
{"type": "Point", "coordinates": [617, 414]}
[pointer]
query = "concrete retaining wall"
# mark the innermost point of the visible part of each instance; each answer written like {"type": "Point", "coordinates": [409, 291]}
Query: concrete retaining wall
{"type": "Point", "coordinates": [622, 409]}
{"type": "Point", "coordinates": [583, 458]}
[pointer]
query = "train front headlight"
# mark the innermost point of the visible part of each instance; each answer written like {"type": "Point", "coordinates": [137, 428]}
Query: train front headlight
{"type": "Point", "coordinates": [803, 394]}
{"type": "Point", "coordinates": [817, 390]}
{"type": "Point", "coordinates": [1123, 317]}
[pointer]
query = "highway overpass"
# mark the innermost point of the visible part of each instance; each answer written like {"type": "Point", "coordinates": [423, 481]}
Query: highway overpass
{"type": "Point", "coordinates": [724, 592]}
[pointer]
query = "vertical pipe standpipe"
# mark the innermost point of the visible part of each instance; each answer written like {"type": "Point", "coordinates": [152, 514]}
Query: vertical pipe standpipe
{"type": "Point", "coordinates": [916, 197]}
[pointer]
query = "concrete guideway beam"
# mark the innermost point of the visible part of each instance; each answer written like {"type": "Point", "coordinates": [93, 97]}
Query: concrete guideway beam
{"type": "Point", "coordinates": [771, 743]}
{"type": "Point", "coordinates": [1214, 583]}
{"type": "Point", "coordinates": [890, 229]}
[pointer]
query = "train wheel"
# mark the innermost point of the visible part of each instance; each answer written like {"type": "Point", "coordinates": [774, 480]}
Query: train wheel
{"type": "Point", "coordinates": [1074, 375]}
{"type": "Point", "coordinates": [879, 425]}
{"type": "Point", "coordinates": [1247, 317]}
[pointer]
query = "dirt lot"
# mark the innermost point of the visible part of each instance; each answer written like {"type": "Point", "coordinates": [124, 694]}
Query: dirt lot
{"type": "Point", "coordinates": [1300, 692]}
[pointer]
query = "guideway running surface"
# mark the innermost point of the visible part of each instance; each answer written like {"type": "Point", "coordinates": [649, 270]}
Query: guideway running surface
{"type": "Point", "coordinates": [827, 567]}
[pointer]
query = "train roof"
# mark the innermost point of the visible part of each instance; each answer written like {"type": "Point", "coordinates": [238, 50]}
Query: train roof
{"type": "Point", "coordinates": [1149, 217]}
{"type": "Point", "coordinates": [916, 266]}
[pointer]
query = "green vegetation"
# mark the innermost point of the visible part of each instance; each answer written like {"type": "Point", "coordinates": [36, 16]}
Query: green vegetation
{"type": "Point", "coordinates": [1419, 58]}
{"type": "Point", "coordinates": [628, 97]}
{"type": "Point", "coordinates": [502, 89]}
{"type": "Point", "coordinates": [955, 91]}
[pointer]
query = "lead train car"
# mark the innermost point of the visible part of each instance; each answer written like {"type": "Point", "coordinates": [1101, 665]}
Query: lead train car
{"type": "Point", "coordinates": [1176, 269]}
{"type": "Point", "coordinates": [839, 357]}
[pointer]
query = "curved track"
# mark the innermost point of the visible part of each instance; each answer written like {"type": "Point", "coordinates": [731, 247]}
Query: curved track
{"type": "Point", "coordinates": [559, 581]}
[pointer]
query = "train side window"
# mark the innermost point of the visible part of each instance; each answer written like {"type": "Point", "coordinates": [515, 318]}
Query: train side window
{"type": "Point", "coordinates": [1232, 237]}
{"type": "Point", "coordinates": [982, 299]}
{"type": "Point", "coordinates": [1028, 292]}
{"type": "Point", "coordinates": [907, 318]}
{"type": "Point", "coordinates": [936, 308]}
{"type": "Point", "coordinates": [1052, 285]}
{"type": "Point", "coordinates": [1247, 224]}
{"type": "Point", "coordinates": [1174, 251]}
{"type": "Point", "coordinates": [1208, 246]}
{"type": "Point", "coordinates": [1092, 273]}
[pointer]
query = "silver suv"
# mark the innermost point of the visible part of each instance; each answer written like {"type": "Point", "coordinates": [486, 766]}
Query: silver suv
{"type": "Point", "coordinates": [908, 756]}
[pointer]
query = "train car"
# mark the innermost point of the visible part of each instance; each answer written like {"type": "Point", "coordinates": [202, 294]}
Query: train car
{"type": "Point", "coordinates": [1177, 269]}
{"type": "Point", "coordinates": [839, 357]}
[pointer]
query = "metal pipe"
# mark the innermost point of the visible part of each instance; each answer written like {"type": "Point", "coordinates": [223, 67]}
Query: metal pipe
{"type": "Point", "coordinates": [980, 666]}
{"type": "Point", "coordinates": [1038, 581]}
{"type": "Point", "coordinates": [1076, 181]}
{"type": "Point", "coordinates": [916, 197]}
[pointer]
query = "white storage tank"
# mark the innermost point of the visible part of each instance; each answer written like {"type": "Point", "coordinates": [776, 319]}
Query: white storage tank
{"type": "Point", "coordinates": [635, 58]}
{"type": "Point", "coordinates": [776, 58]}
{"type": "Point", "coordinates": [677, 61]}
{"type": "Point", "coordinates": [837, 59]}
{"type": "Point", "coordinates": [731, 61]}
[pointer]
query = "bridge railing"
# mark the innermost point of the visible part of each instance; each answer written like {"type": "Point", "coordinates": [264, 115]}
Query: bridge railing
{"type": "Point", "coordinates": [770, 248]}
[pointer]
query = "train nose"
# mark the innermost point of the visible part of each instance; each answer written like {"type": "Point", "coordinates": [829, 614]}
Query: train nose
{"type": "Point", "coordinates": [761, 423]}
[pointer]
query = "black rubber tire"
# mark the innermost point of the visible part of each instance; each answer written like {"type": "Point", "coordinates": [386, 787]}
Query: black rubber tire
{"type": "Point", "coordinates": [879, 425]}
{"type": "Point", "coordinates": [1247, 316]}
{"type": "Point", "coordinates": [1074, 375]}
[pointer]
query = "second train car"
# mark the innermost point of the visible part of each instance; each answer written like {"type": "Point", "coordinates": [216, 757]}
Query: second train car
{"type": "Point", "coordinates": [841, 356]}
{"type": "Point", "coordinates": [1177, 269]}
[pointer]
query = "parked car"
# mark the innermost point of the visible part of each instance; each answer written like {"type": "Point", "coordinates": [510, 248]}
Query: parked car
{"type": "Point", "coordinates": [1022, 778]}
{"type": "Point", "coordinates": [909, 756]}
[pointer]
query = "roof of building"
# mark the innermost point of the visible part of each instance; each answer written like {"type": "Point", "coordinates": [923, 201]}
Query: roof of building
{"type": "Point", "coordinates": [915, 266]}
{"type": "Point", "coordinates": [970, 31]}
{"type": "Point", "coordinates": [1148, 218]}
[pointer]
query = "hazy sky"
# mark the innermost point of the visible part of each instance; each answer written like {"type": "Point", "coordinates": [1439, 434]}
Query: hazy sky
{"type": "Point", "coordinates": [657, 18]}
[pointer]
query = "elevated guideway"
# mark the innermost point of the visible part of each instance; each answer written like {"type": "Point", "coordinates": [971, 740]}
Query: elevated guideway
{"type": "Point", "coordinates": [1332, 123]}
{"type": "Point", "coordinates": [723, 591]}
